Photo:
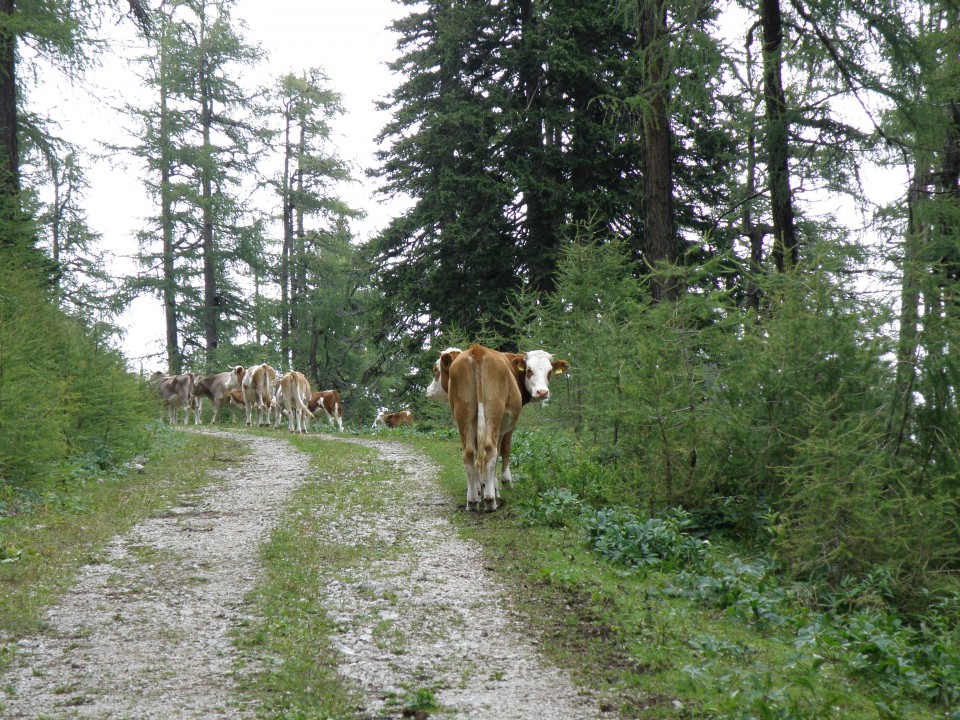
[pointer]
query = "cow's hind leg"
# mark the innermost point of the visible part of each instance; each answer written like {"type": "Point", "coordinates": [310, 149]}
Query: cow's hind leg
{"type": "Point", "coordinates": [489, 479]}
{"type": "Point", "coordinates": [473, 479]}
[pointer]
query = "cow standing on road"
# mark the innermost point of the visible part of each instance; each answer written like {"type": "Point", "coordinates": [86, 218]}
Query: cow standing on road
{"type": "Point", "coordinates": [176, 391]}
{"type": "Point", "coordinates": [257, 388]}
{"type": "Point", "coordinates": [294, 390]}
{"type": "Point", "coordinates": [217, 388]}
{"type": "Point", "coordinates": [487, 390]}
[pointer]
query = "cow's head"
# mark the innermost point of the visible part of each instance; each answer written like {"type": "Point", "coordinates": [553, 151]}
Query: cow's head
{"type": "Point", "coordinates": [536, 367]}
{"type": "Point", "coordinates": [235, 381]}
{"type": "Point", "coordinates": [439, 387]}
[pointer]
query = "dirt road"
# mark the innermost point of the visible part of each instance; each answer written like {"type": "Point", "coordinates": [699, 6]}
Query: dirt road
{"type": "Point", "coordinates": [145, 633]}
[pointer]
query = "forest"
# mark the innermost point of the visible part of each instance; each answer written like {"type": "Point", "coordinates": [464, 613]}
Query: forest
{"type": "Point", "coordinates": [677, 198]}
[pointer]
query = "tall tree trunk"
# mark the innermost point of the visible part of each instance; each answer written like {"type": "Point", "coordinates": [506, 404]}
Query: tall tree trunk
{"type": "Point", "coordinates": [10, 150]}
{"type": "Point", "coordinates": [211, 297]}
{"type": "Point", "coordinates": [169, 281]}
{"type": "Point", "coordinates": [785, 249]}
{"type": "Point", "coordinates": [287, 249]}
{"type": "Point", "coordinates": [908, 346]}
{"type": "Point", "coordinates": [541, 220]}
{"type": "Point", "coordinates": [298, 265]}
{"type": "Point", "coordinates": [659, 229]}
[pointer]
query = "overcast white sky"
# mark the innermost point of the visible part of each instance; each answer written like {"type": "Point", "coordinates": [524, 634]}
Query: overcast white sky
{"type": "Point", "coordinates": [350, 41]}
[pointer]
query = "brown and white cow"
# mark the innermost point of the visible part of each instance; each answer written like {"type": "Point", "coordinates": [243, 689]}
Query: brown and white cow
{"type": "Point", "coordinates": [257, 388]}
{"type": "Point", "coordinates": [216, 388]}
{"type": "Point", "coordinates": [393, 419]}
{"type": "Point", "coordinates": [234, 399]}
{"type": "Point", "coordinates": [329, 402]}
{"type": "Point", "coordinates": [176, 391]}
{"type": "Point", "coordinates": [294, 391]}
{"type": "Point", "coordinates": [438, 390]}
{"type": "Point", "coordinates": [487, 390]}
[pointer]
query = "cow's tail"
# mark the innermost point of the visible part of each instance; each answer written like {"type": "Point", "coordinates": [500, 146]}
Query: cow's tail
{"type": "Point", "coordinates": [301, 403]}
{"type": "Point", "coordinates": [482, 424]}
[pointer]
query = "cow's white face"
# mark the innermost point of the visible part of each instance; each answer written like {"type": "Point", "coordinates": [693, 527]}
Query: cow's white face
{"type": "Point", "coordinates": [435, 390]}
{"type": "Point", "coordinates": [235, 380]}
{"type": "Point", "coordinates": [540, 365]}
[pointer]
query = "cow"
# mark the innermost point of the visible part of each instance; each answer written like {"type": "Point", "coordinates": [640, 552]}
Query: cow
{"type": "Point", "coordinates": [294, 389]}
{"type": "Point", "coordinates": [176, 391]}
{"type": "Point", "coordinates": [393, 419]}
{"type": "Point", "coordinates": [329, 402]}
{"type": "Point", "coordinates": [217, 387]}
{"type": "Point", "coordinates": [257, 388]}
{"type": "Point", "coordinates": [234, 398]}
{"type": "Point", "coordinates": [437, 389]}
{"type": "Point", "coordinates": [487, 390]}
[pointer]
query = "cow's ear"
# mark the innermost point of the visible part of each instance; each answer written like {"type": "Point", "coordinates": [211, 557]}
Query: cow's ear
{"type": "Point", "coordinates": [447, 358]}
{"type": "Point", "coordinates": [560, 367]}
{"type": "Point", "coordinates": [519, 362]}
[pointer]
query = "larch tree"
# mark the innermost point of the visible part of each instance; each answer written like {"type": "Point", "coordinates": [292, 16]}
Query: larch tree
{"type": "Point", "coordinates": [200, 139]}
{"type": "Point", "coordinates": [310, 207]}
{"type": "Point", "coordinates": [63, 35]}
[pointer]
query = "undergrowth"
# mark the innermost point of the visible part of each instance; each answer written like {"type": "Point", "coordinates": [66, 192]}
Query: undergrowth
{"type": "Point", "coordinates": [909, 666]}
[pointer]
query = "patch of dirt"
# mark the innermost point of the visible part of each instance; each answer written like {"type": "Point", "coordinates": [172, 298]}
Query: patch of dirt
{"type": "Point", "coordinates": [146, 632]}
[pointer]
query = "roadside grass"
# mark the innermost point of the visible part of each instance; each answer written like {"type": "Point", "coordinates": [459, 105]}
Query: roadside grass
{"type": "Point", "coordinates": [46, 539]}
{"type": "Point", "coordinates": [649, 650]}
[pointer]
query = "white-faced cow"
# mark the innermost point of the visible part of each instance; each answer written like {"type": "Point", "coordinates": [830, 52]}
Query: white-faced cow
{"type": "Point", "coordinates": [329, 402]}
{"type": "Point", "coordinates": [217, 388]}
{"type": "Point", "coordinates": [176, 391]}
{"type": "Point", "coordinates": [257, 387]}
{"type": "Point", "coordinates": [437, 389]}
{"type": "Point", "coordinates": [487, 390]}
{"type": "Point", "coordinates": [393, 419]}
{"type": "Point", "coordinates": [293, 395]}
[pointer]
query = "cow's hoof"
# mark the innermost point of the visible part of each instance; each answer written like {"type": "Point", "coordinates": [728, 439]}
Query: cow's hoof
{"type": "Point", "coordinates": [489, 504]}
{"type": "Point", "coordinates": [473, 507]}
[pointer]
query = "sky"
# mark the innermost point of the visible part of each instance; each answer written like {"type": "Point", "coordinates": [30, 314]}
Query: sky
{"type": "Point", "coordinates": [349, 41]}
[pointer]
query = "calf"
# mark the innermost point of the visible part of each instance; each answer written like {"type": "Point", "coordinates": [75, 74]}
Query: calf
{"type": "Point", "coordinates": [329, 402]}
{"type": "Point", "coordinates": [176, 391]}
{"type": "Point", "coordinates": [217, 387]}
{"type": "Point", "coordinates": [257, 388]}
{"type": "Point", "coordinates": [293, 391]}
{"type": "Point", "coordinates": [394, 419]}
{"type": "Point", "coordinates": [487, 390]}
{"type": "Point", "coordinates": [234, 399]}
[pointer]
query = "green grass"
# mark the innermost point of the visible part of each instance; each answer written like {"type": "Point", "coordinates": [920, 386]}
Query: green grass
{"type": "Point", "coordinates": [650, 651]}
{"type": "Point", "coordinates": [64, 527]}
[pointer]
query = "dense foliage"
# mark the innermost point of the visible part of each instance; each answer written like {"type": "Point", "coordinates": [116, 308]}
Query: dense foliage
{"type": "Point", "coordinates": [67, 402]}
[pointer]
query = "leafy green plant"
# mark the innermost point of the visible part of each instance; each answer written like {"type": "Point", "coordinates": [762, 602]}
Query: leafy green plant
{"type": "Point", "coordinates": [643, 543]}
{"type": "Point", "coordinates": [421, 699]}
{"type": "Point", "coordinates": [554, 508]}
